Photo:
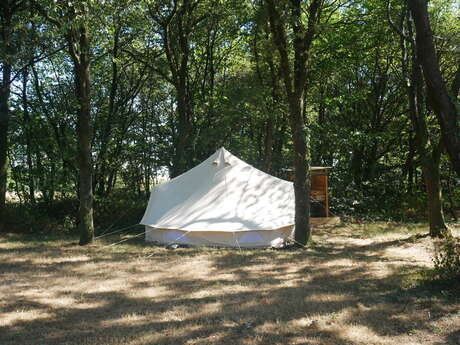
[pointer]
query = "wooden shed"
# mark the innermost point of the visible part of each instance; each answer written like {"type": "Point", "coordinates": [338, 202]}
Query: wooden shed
{"type": "Point", "coordinates": [319, 191]}
{"type": "Point", "coordinates": [319, 195]}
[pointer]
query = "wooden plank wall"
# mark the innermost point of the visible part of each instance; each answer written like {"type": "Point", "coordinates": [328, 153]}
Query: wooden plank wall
{"type": "Point", "coordinates": [319, 190]}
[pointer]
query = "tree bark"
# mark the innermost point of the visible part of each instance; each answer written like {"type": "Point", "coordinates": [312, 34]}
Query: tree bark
{"type": "Point", "coordinates": [438, 96]}
{"type": "Point", "coordinates": [180, 73]}
{"type": "Point", "coordinates": [295, 80]}
{"type": "Point", "coordinates": [184, 126]}
{"type": "Point", "coordinates": [302, 172]}
{"type": "Point", "coordinates": [431, 176]}
{"type": "Point", "coordinates": [268, 144]}
{"type": "Point", "coordinates": [408, 169]}
{"type": "Point", "coordinates": [272, 109]}
{"type": "Point", "coordinates": [451, 199]}
{"type": "Point", "coordinates": [28, 134]}
{"type": "Point", "coordinates": [430, 161]}
{"type": "Point", "coordinates": [81, 61]}
{"type": "Point", "coordinates": [455, 88]}
{"type": "Point", "coordinates": [5, 91]}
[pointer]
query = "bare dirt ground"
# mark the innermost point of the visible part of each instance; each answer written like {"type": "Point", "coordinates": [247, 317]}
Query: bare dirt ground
{"type": "Point", "coordinates": [353, 285]}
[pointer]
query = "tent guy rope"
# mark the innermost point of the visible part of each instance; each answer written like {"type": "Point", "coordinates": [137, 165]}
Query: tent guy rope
{"type": "Point", "coordinates": [116, 231]}
{"type": "Point", "coordinates": [124, 240]}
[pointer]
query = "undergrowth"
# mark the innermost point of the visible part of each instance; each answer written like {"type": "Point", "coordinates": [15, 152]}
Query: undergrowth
{"type": "Point", "coordinates": [447, 262]}
{"type": "Point", "coordinates": [119, 209]}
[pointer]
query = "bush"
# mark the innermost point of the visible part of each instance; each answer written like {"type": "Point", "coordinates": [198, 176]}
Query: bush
{"type": "Point", "coordinates": [447, 261]}
{"type": "Point", "coordinates": [120, 209]}
{"type": "Point", "coordinates": [41, 216]}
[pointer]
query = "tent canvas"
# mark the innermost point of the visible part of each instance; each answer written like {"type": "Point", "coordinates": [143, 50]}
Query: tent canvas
{"type": "Point", "coordinates": [222, 202]}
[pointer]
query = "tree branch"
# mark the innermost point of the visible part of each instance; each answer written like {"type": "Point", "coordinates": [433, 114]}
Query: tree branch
{"type": "Point", "coordinates": [393, 25]}
{"type": "Point", "coordinates": [45, 14]}
{"type": "Point", "coordinates": [455, 89]}
{"type": "Point", "coordinates": [34, 61]}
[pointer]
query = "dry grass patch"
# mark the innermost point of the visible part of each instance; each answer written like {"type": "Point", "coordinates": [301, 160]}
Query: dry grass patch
{"type": "Point", "coordinates": [346, 288]}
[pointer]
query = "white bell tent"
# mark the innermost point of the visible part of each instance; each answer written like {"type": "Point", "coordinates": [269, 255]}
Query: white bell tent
{"type": "Point", "coordinates": [221, 202]}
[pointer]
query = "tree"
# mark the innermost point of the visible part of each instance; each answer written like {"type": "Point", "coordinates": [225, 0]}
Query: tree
{"type": "Point", "coordinates": [283, 17]}
{"type": "Point", "coordinates": [117, 84]}
{"type": "Point", "coordinates": [9, 10]}
{"type": "Point", "coordinates": [430, 161]}
{"type": "Point", "coordinates": [171, 81]}
{"type": "Point", "coordinates": [438, 95]}
{"type": "Point", "coordinates": [267, 71]}
{"type": "Point", "coordinates": [72, 20]}
{"type": "Point", "coordinates": [177, 22]}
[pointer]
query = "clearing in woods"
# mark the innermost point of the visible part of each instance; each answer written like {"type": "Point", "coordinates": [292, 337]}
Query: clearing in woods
{"type": "Point", "coordinates": [354, 285]}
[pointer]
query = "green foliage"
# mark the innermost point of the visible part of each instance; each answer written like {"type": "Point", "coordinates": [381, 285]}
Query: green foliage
{"type": "Point", "coordinates": [447, 262]}
{"type": "Point", "coordinates": [42, 217]}
{"type": "Point", "coordinates": [356, 105]}
{"type": "Point", "coordinates": [120, 209]}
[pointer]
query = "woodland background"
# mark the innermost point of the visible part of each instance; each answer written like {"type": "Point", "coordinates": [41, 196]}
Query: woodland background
{"type": "Point", "coordinates": [166, 83]}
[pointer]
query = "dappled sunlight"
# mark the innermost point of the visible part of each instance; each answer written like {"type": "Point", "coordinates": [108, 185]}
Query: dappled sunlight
{"type": "Point", "coordinates": [358, 334]}
{"type": "Point", "coordinates": [224, 198]}
{"type": "Point", "coordinates": [18, 316]}
{"type": "Point", "coordinates": [335, 292]}
{"type": "Point", "coordinates": [129, 319]}
{"type": "Point", "coordinates": [412, 254]}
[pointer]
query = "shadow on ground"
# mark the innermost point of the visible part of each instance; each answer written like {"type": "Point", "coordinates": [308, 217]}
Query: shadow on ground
{"type": "Point", "coordinates": [336, 292]}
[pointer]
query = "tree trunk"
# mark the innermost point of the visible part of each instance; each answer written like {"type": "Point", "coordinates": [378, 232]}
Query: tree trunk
{"type": "Point", "coordinates": [268, 144]}
{"type": "Point", "coordinates": [5, 90]}
{"type": "Point", "coordinates": [28, 134]}
{"type": "Point", "coordinates": [4, 120]}
{"type": "Point", "coordinates": [84, 158]}
{"type": "Point", "coordinates": [81, 62]}
{"type": "Point", "coordinates": [451, 199]}
{"type": "Point", "coordinates": [183, 135]}
{"type": "Point", "coordinates": [438, 96]}
{"type": "Point", "coordinates": [177, 50]}
{"type": "Point", "coordinates": [294, 74]}
{"type": "Point", "coordinates": [409, 165]}
{"type": "Point", "coordinates": [455, 88]}
{"type": "Point", "coordinates": [272, 109]}
{"type": "Point", "coordinates": [430, 168]}
{"type": "Point", "coordinates": [302, 172]}
{"type": "Point", "coordinates": [430, 162]}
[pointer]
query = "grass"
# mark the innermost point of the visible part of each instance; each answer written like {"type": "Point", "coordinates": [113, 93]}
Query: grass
{"type": "Point", "coordinates": [348, 287]}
